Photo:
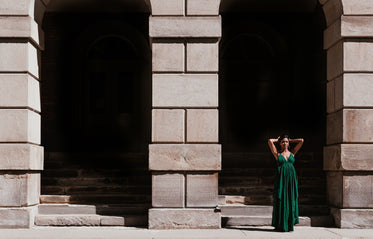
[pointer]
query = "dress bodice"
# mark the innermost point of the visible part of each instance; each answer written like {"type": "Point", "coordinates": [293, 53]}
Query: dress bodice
{"type": "Point", "coordinates": [281, 159]}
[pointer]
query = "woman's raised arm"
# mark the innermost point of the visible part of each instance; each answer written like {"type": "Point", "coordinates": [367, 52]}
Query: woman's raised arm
{"type": "Point", "coordinates": [272, 147]}
{"type": "Point", "coordinates": [299, 143]}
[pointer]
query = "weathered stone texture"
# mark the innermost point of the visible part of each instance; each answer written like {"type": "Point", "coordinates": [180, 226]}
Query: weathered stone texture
{"type": "Point", "coordinates": [202, 125]}
{"type": "Point", "coordinates": [185, 157]}
{"type": "Point", "coordinates": [168, 125]}
{"type": "Point", "coordinates": [67, 220]}
{"type": "Point", "coordinates": [20, 189]}
{"type": "Point", "coordinates": [202, 190]}
{"type": "Point", "coordinates": [17, 217]}
{"type": "Point", "coordinates": [58, 208]}
{"type": "Point", "coordinates": [185, 27]}
{"type": "Point", "coordinates": [111, 221]}
{"type": "Point", "coordinates": [203, 7]}
{"type": "Point", "coordinates": [21, 157]}
{"type": "Point", "coordinates": [167, 7]}
{"type": "Point", "coordinates": [168, 190]}
{"type": "Point", "coordinates": [191, 90]}
{"type": "Point", "coordinates": [168, 57]}
{"type": "Point", "coordinates": [357, 191]}
{"type": "Point", "coordinates": [19, 125]}
{"type": "Point", "coordinates": [22, 27]}
{"type": "Point", "coordinates": [184, 219]}
{"type": "Point", "coordinates": [19, 90]}
{"type": "Point", "coordinates": [358, 125]}
{"type": "Point", "coordinates": [202, 57]}
{"type": "Point", "coordinates": [361, 7]}
{"type": "Point", "coordinates": [358, 56]}
{"type": "Point", "coordinates": [19, 57]}
{"type": "Point", "coordinates": [357, 90]}
{"type": "Point", "coordinates": [353, 218]}
{"type": "Point", "coordinates": [334, 185]}
{"type": "Point", "coordinates": [349, 157]}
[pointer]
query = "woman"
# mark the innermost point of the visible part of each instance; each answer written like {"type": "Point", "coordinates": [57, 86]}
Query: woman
{"type": "Point", "coordinates": [285, 195]}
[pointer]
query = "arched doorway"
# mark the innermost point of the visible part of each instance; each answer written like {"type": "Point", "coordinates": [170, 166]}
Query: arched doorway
{"type": "Point", "coordinates": [272, 81]}
{"type": "Point", "coordinates": [96, 100]}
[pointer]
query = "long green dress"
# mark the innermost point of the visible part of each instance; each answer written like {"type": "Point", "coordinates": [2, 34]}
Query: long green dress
{"type": "Point", "coordinates": [285, 195]}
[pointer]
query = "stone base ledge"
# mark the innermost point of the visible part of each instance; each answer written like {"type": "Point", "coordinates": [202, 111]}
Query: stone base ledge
{"type": "Point", "coordinates": [183, 218]}
{"type": "Point", "coordinates": [190, 157]}
{"type": "Point", "coordinates": [17, 217]}
{"type": "Point", "coordinates": [351, 157]}
{"type": "Point", "coordinates": [353, 218]}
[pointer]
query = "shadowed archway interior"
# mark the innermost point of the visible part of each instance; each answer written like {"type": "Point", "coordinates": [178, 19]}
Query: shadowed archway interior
{"type": "Point", "coordinates": [272, 81]}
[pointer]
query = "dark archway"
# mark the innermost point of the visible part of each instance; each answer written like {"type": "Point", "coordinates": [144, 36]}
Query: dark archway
{"type": "Point", "coordinates": [272, 80]}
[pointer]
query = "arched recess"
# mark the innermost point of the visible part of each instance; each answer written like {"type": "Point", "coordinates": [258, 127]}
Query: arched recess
{"type": "Point", "coordinates": [96, 100]}
{"type": "Point", "coordinates": [272, 75]}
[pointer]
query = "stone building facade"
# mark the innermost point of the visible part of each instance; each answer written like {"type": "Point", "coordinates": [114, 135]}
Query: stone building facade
{"type": "Point", "coordinates": [178, 59]}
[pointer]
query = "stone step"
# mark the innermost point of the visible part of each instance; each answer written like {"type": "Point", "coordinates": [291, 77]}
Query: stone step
{"type": "Point", "coordinates": [89, 220]}
{"type": "Point", "coordinates": [103, 198]}
{"type": "Point", "coordinates": [245, 210]}
{"type": "Point", "coordinates": [232, 221]}
{"type": "Point", "coordinates": [114, 209]}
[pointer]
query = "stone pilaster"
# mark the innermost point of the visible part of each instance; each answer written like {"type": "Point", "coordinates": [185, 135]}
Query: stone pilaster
{"type": "Point", "coordinates": [349, 151]}
{"type": "Point", "coordinates": [21, 156]}
{"type": "Point", "coordinates": [184, 156]}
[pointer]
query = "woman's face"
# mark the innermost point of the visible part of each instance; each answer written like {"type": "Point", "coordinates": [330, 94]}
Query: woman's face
{"type": "Point", "coordinates": [284, 143]}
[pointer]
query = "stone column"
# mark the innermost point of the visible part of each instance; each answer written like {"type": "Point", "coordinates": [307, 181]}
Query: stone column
{"type": "Point", "coordinates": [348, 156]}
{"type": "Point", "coordinates": [184, 156]}
{"type": "Point", "coordinates": [21, 156]}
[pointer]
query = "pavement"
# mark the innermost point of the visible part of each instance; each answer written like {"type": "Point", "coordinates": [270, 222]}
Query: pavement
{"type": "Point", "coordinates": [141, 233]}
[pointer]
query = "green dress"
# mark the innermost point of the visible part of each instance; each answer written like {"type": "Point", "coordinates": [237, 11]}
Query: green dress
{"type": "Point", "coordinates": [285, 195]}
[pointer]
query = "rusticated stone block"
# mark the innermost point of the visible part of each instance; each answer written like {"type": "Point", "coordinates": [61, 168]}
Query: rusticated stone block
{"type": "Point", "coordinates": [19, 125]}
{"type": "Point", "coordinates": [333, 9]}
{"type": "Point", "coordinates": [20, 7]}
{"type": "Point", "coordinates": [357, 191]}
{"type": "Point", "coordinates": [353, 218]}
{"type": "Point", "coordinates": [19, 57]}
{"type": "Point", "coordinates": [330, 103]}
{"type": "Point", "coordinates": [358, 56]}
{"type": "Point", "coordinates": [189, 157]}
{"type": "Point", "coordinates": [358, 125]}
{"type": "Point", "coordinates": [335, 61]}
{"type": "Point", "coordinates": [20, 189]}
{"type": "Point", "coordinates": [20, 27]}
{"type": "Point", "coordinates": [202, 125]}
{"type": "Point", "coordinates": [168, 190]}
{"type": "Point", "coordinates": [202, 57]}
{"type": "Point", "coordinates": [193, 90]}
{"type": "Point", "coordinates": [334, 185]}
{"type": "Point", "coordinates": [357, 90]}
{"type": "Point", "coordinates": [185, 27]}
{"type": "Point", "coordinates": [168, 125]}
{"type": "Point", "coordinates": [202, 190]}
{"type": "Point", "coordinates": [67, 220]}
{"type": "Point", "coordinates": [349, 157]}
{"type": "Point", "coordinates": [334, 127]}
{"type": "Point", "coordinates": [167, 7]}
{"type": "Point", "coordinates": [21, 157]}
{"type": "Point", "coordinates": [362, 7]}
{"type": "Point", "coordinates": [184, 219]}
{"type": "Point", "coordinates": [19, 90]}
{"type": "Point", "coordinates": [17, 217]}
{"type": "Point", "coordinates": [168, 57]}
{"type": "Point", "coordinates": [203, 7]}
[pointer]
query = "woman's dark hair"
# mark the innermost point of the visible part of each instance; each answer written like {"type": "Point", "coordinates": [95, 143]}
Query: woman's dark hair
{"type": "Point", "coordinates": [283, 136]}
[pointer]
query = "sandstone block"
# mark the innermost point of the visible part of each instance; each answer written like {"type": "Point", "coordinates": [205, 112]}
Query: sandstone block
{"type": "Point", "coordinates": [203, 7]}
{"type": "Point", "coordinates": [19, 125]}
{"type": "Point", "coordinates": [19, 57]}
{"type": "Point", "coordinates": [335, 61]}
{"type": "Point", "coordinates": [357, 90]}
{"type": "Point", "coordinates": [67, 220]}
{"type": "Point", "coordinates": [66, 209]}
{"type": "Point", "coordinates": [193, 90]}
{"type": "Point", "coordinates": [111, 221]}
{"type": "Point", "coordinates": [184, 219]}
{"type": "Point", "coordinates": [357, 191]}
{"type": "Point", "coordinates": [334, 127]}
{"type": "Point", "coordinates": [332, 34]}
{"type": "Point", "coordinates": [17, 217]}
{"type": "Point", "coordinates": [202, 57]}
{"type": "Point", "coordinates": [358, 126]}
{"type": "Point", "coordinates": [353, 218]}
{"type": "Point", "coordinates": [333, 9]}
{"type": "Point", "coordinates": [358, 56]}
{"type": "Point", "coordinates": [167, 7]}
{"type": "Point", "coordinates": [21, 157]}
{"type": "Point", "coordinates": [189, 157]}
{"type": "Point", "coordinates": [334, 186]}
{"type": "Point", "coordinates": [19, 90]}
{"type": "Point", "coordinates": [338, 93]}
{"type": "Point", "coordinates": [168, 190]}
{"type": "Point", "coordinates": [202, 190]}
{"type": "Point", "coordinates": [202, 125]}
{"type": "Point", "coordinates": [20, 7]}
{"type": "Point", "coordinates": [349, 157]}
{"type": "Point", "coordinates": [20, 27]}
{"type": "Point", "coordinates": [330, 102]}
{"type": "Point", "coordinates": [168, 125]}
{"type": "Point", "coordinates": [185, 27]}
{"type": "Point", "coordinates": [20, 189]}
{"type": "Point", "coordinates": [362, 7]}
{"type": "Point", "coordinates": [168, 57]}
